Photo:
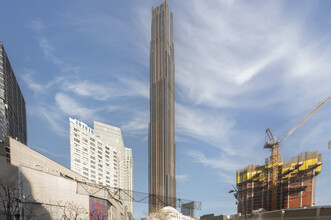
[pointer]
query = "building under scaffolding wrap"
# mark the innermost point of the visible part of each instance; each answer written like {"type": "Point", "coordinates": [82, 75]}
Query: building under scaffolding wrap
{"type": "Point", "coordinates": [295, 185]}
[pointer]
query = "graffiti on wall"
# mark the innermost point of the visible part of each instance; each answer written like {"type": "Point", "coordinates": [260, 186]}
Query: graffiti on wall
{"type": "Point", "coordinates": [98, 209]}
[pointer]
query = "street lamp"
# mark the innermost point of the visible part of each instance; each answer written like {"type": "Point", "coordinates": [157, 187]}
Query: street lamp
{"type": "Point", "coordinates": [239, 199]}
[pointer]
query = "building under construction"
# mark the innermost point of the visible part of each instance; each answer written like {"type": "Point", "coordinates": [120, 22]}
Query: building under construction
{"type": "Point", "coordinates": [295, 186]}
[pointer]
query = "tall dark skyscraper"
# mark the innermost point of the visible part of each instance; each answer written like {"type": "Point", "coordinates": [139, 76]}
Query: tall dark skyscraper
{"type": "Point", "coordinates": [162, 149]}
{"type": "Point", "coordinates": [12, 104]}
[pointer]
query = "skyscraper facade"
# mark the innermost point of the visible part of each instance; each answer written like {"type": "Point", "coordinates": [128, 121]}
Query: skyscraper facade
{"type": "Point", "coordinates": [162, 149]}
{"type": "Point", "coordinates": [99, 154]}
{"type": "Point", "coordinates": [12, 103]}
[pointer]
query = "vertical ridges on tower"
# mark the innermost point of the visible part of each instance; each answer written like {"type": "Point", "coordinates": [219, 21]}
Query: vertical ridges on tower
{"type": "Point", "coordinates": [162, 158]}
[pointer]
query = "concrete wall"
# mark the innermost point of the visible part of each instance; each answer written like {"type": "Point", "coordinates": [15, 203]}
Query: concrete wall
{"type": "Point", "coordinates": [9, 180]}
{"type": "Point", "coordinates": [53, 188]}
{"type": "Point", "coordinates": [23, 155]}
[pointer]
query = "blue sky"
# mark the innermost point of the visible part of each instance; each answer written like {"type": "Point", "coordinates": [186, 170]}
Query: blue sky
{"type": "Point", "coordinates": [240, 67]}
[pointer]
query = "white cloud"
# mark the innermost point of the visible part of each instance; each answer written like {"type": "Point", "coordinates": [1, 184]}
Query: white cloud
{"type": "Point", "coordinates": [138, 125]}
{"type": "Point", "coordinates": [50, 114]}
{"type": "Point", "coordinates": [220, 162]}
{"type": "Point", "coordinates": [231, 60]}
{"type": "Point", "coordinates": [225, 166]}
{"type": "Point", "coordinates": [121, 87]}
{"type": "Point", "coordinates": [90, 89]}
{"type": "Point", "coordinates": [212, 128]}
{"type": "Point", "coordinates": [49, 52]}
{"type": "Point", "coordinates": [36, 87]}
{"type": "Point", "coordinates": [68, 87]}
{"type": "Point", "coordinates": [135, 87]}
{"type": "Point", "coordinates": [181, 177]}
{"type": "Point", "coordinates": [71, 107]}
{"type": "Point", "coordinates": [114, 108]}
{"type": "Point", "coordinates": [37, 25]}
{"type": "Point", "coordinates": [132, 33]}
{"type": "Point", "coordinates": [227, 54]}
{"type": "Point", "coordinates": [142, 23]}
{"type": "Point", "coordinates": [47, 48]}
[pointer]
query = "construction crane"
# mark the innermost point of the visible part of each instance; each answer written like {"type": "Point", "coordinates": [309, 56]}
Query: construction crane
{"type": "Point", "coordinates": [272, 143]}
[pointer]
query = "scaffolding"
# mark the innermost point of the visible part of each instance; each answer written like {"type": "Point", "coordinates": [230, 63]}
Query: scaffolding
{"type": "Point", "coordinates": [296, 183]}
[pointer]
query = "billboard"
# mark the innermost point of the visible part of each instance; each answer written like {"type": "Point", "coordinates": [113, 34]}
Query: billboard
{"type": "Point", "coordinates": [188, 209]}
{"type": "Point", "coordinates": [98, 209]}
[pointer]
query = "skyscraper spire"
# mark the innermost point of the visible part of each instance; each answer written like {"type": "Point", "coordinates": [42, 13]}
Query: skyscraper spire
{"type": "Point", "coordinates": [162, 149]}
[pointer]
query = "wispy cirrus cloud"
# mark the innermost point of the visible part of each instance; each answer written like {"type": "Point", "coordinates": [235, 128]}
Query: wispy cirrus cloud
{"type": "Point", "coordinates": [37, 87]}
{"type": "Point", "coordinates": [138, 125]}
{"type": "Point", "coordinates": [229, 59]}
{"type": "Point", "coordinates": [223, 165]}
{"type": "Point", "coordinates": [71, 107]}
{"type": "Point", "coordinates": [71, 91]}
{"type": "Point", "coordinates": [92, 90]}
{"type": "Point", "coordinates": [49, 52]}
{"type": "Point", "coordinates": [132, 35]}
{"type": "Point", "coordinates": [71, 94]}
{"type": "Point", "coordinates": [182, 177]}
{"type": "Point", "coordinates": [37, 25]}
{"type": "Point", "coordinates": [119, 87]}
{"type": "Point", "coordinates": [135, 87]}
{"type": "Point", "coordinates": [211, 127]}
{"type": "Point", "coordinates": [237, 52]}
{"type": "Point", "coordinates": [51, 115]}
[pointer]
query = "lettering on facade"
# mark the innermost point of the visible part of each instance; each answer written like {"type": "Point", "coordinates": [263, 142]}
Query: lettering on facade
{"type": "Point", "coordinates": [39, 167]}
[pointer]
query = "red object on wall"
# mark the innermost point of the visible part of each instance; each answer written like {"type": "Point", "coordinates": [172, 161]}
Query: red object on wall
{"type": "Point", "coordinates": [98, 209]}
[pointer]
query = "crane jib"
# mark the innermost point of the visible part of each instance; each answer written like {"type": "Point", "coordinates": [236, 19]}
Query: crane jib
{"type": "Point", "coordinates": [273, 144]}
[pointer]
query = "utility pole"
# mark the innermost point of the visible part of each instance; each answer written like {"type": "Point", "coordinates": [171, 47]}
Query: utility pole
{"type": "Point", "coordinates": [20, 189]}
{"type": "Point", "coordinates": [239, 199]}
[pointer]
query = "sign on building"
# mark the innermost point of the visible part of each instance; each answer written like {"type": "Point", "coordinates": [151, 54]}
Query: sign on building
{"type": "Point", "coordinates": [98, 209]}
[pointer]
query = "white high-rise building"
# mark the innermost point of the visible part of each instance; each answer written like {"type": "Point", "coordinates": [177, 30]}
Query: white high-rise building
{"type": "Point", "coordinates": [99, 154]}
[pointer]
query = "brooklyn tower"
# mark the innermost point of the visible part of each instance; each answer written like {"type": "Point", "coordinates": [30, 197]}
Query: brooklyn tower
{"type": "Point", "coordinates": [162, 149]}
